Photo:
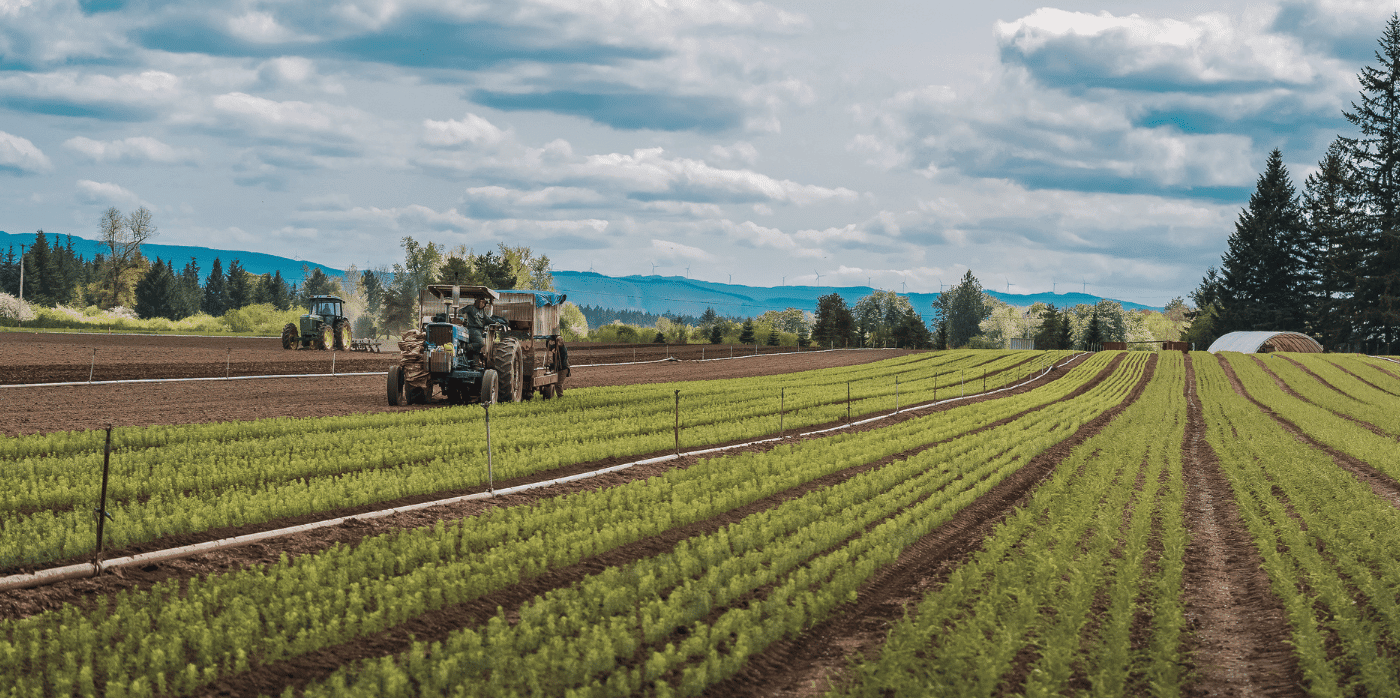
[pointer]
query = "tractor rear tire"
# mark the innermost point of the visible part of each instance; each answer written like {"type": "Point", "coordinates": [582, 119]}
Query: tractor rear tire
{"type": "Point", "coordinates": [395, 385]}
{"type": "Point", "coordinates": [510, 363]}
{"type": "Point", "coordinates": [342, 336]}
{"type": "Point", "coordinates": [490, 382]}
{"type": "Point", "coordinates": [321, 339]}
{"type": "Point", "coordinates": [290, 340]}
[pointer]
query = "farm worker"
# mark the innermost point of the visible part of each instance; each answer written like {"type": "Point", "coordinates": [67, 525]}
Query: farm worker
{"type": "Point", "coordinates": [478, 317]}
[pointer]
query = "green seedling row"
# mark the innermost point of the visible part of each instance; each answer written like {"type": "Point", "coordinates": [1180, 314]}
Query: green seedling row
{"type": "Point", "coordinates": [1060, 583]}
{"type": "Point", "coordinates": [185, 486]}
{"type": "Point", "coordinates": [176, 636]}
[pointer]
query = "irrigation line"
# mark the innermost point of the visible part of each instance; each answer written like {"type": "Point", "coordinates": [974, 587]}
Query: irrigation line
{"type": "Point", "coordinates": [177, 380]}
{"type": "Point", "coordinates": [57, 574]}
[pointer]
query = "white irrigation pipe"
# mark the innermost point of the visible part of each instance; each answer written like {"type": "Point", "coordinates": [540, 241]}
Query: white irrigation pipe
{"type": "Point", "coordinates": [92, 569]}
{"type": "Point", "coordinates": [177, 380]}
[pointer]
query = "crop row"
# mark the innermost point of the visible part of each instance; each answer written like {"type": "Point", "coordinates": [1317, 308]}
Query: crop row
{"type": "Point", "coordinates": [1320, 423]}
{"type": "Point", "coordinates": [174, 637]}
{"type": "Point", "coordinates": [1059, 584]}
{"type": "Point", "coordinates": [1351, 396]}
{"type": "Point", "coordinates": [1330, 545]}
{"type": "Point", "coordinates": [197, 485]}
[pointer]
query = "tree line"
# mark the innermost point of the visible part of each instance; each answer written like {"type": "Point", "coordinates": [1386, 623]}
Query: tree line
{"type": "Point", "coordinates": [1324, 262]}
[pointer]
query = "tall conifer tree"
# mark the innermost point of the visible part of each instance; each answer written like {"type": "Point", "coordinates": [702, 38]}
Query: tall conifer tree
{"type": "Point", "coordinates": [1375, 306]}
{"type": "Point", "coordinates": [1261, 285]}
{"type": "Point", "coordinates": [1333, 244]}
{"type": "Point", "coordinates": [215, 296]}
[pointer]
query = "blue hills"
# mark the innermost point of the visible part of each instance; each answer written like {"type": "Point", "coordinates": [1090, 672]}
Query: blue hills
{"type": "Point", "coordinates": [178, 255]}
{"type": "Point", "coordinates": [657, 295]}
{"type": "Point", "coordinates": [674, 294]}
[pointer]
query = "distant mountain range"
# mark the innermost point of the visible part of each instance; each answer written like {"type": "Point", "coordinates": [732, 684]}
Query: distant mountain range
{"type": "Point", "coordinates": [652, 294]}
{"type": "Point", "coordinates": [178, 255]}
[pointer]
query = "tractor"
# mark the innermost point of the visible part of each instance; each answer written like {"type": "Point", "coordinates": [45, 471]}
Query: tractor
{"type": "Point", "coordinates": [468, 354]}
{"type": "Point", "coordinates": [325, 327]}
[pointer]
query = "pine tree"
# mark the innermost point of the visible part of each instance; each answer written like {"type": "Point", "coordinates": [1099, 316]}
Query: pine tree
{"type": "Point", "coordinates": [773, 338]}
{"type": "Point", "coordinates": [156, 292]}
{"type": "Point", "coordinates": [1262, 283]}
{"type": "Point", "coordinates": [9, 273]}
{"type": "Point", "coordinates": [215, 296]}
{"type": "Point", "coordinates": [716, 334]}
{"type": "Point", "coordinates": [237, 286]}
{"type": "Point", "coordinates": [1333, 244]}
{"type": "Point", "coordinates": [1374, 309]}
{"type": "Point", "coordinates": [834, 324]}
{"type": "Point", "coordinates": [188, 293]}
{"type": "Point", "coordinates": [746, 336]}
{"type": "Point", "coordinates": [1048, 336]}
{"type": "Point", "coordinates": [962, 309]}
{"type": "Point", "coordinates": [281, 294]}
{"type": "Point", "coordinates": [1093, 334]}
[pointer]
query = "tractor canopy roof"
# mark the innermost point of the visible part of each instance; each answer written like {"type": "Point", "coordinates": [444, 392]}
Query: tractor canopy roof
{"type": "Point", "coordinates": [337, 299]}
{"type": "Point", "coordinates": [473, 292]}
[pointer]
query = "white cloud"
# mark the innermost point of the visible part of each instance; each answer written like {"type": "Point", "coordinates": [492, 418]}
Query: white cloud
{"type": "Point", "coordinates": [472, 129]}
{"type": "Point", "coordinates": [106, 193]}
{"type": "Point", "coordinates": [20, 154]}
{"type": "Point", "coordinates": [649, 170]}
{"type": "Point", "coordinates": [666, 249]}
{"type": "Point", "coordinates": [132, 150]}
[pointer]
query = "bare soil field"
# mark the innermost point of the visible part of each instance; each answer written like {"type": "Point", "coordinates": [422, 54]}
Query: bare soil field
{"type": "Point", "coordinates": [43, 409]}
{"type": "Point", "coordinates": [68, 357]}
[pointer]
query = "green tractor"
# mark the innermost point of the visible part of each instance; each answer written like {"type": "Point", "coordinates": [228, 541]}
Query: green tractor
{"type": "Point", "coordinates": [325, 327]}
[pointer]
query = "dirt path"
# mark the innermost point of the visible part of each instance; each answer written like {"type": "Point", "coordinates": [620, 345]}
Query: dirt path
{"type": "Point", "coordinates": [806, 666]}
{"type": "Point", "coordinates": [1239, 644]}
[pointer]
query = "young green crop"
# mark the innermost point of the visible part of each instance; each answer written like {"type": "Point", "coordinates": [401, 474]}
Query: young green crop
{"type": "Point", "coordinates": [262, 615]}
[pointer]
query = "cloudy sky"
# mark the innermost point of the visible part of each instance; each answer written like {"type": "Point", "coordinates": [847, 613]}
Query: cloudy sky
{"type": "Point", "coordinates": [1045, 147]}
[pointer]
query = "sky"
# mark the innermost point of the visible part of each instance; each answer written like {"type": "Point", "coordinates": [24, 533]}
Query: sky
{"type": "Point", "coordinates": [1099, 146]}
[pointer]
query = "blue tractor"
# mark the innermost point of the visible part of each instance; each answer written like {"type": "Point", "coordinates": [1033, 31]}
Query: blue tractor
{"type": "Point", "coordinates": [480, 345]}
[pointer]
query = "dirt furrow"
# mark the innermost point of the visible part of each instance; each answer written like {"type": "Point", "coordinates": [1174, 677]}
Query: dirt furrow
{"type": "Point", "coordinates": [1283, 385]}
{"type": "Point", "coordinates": [1239, 644]}
{"type": "Point", "coordinates": [807, 665]}
{"type": "Point", "coordinates": [1357, 376]}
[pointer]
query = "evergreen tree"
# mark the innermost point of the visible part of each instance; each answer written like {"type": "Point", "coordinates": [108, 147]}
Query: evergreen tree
{"type": "Point", "coordinates": [456, 271]}
{"type": "Point", "coordinates": [373, 283]}
{"type": "Point", "coordinates": [281, 294]}
{"type": "Point", "coordinates": [962, 309]}
{"type": "Point", "coordinates": [237, 286]}
{"type": "Point", "coordinates": [909, 333]}
{"type": "Point", "coordinates": [1262, 285]}
{"type": "Point", "coordinates": [1065, 340]}
{"type": "Point", "coordinates": [318, 284]}
{"type": "Point", "coordinates": [1093, 335]}
{"type": "Point", "coordinates": [156, 292]}
{"type": "Point", "coordinates": [215, 296]}
{"type": "Point", "coordinates": [773, 339]}
{"type": "Point", "coordinates": [1048, 336]}
{"type": "Point", "coordinates": [716, 334]}
{"type": "Point", "coordinates": [261, 289]}
{"type": "Point", "coordinates": [835, 324]}
{"type": "Point", "coordinates": [1334, 244]}
{"type": "Point", "coordinates": [9, 273]}
{"type": "Point", "coordinates": [746, 335]}
{"type": "Point", "coordinates": [940, 338]}
{"type": "Point", "coordinates": [1374, 308]}
{"type": "Point", "coordinates": [188, 293]}
{"type": "Point", "coordinates": [659, 338]}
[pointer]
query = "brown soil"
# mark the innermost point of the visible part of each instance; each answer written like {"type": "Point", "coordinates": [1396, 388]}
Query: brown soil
{"type": "Point", "coordinates": [30, 410]}
{"type": "Point", "coordinates": [1357, 376]}
{"type": "Point", "coordinates": [812, 663]}
{"type": "Point", "coordinates": [1239, 644]}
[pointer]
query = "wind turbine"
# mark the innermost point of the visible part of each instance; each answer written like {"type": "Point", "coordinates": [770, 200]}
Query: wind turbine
{"type": "Point", "coordinates": [819, 276]}
{"type": "Point", "coordinates": [1008, 284]}
{"type": "Point", "coordinates": [1085, 288]}
{"type": "Point", "coordinates": [902, 287]}
{"type": "Point", "coordinates": [653, 268]}
{"type": "Point", "coordinates": [687, 272]}
{"type": "Point", "coordinates": [940, 284]}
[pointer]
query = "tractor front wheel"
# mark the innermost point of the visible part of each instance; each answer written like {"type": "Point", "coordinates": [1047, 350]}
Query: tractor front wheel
{"type": "Point", "coordinates": [395, 385]}
{"type": "Point", "coordinates": [490, 382]}
{"type": "Point", "coordinates": [510, 363]}
{"type": "Point", "coordinates": [290, 339]}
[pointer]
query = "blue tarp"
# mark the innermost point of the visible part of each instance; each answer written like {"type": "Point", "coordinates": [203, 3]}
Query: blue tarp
{"type": "Point", "coordinates": [542, 298]}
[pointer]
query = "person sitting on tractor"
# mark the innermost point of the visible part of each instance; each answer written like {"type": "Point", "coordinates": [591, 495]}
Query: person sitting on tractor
{"type": "Point", "coordinates": [478, 318]}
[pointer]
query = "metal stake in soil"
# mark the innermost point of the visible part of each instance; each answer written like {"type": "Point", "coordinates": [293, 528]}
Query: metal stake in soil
{"type": "Point", "coordinates": [228, 361]}
{"type": "Point", "coordinates": [93, 367]}
{"type": "Point", "coordinates": [333, 362]}
{"type": "Point", "coordinates": [490, 483]}
{"type": "Point", "coordinates": [102, 514]}
{"type": "Point", "coordinates": [896, 394]}
{"type": "Point", "coordinates": [984, 380]}
{"type": "Point", "coordinates": [678, 424]}
{"type": "Point", "coordinates": [782, 400]}
{"type": "Point", "coordinates": [848, 401]}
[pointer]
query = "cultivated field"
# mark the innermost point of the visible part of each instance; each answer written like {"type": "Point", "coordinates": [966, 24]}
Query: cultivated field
{"type": "Point", "coordinates": [957, 523]}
